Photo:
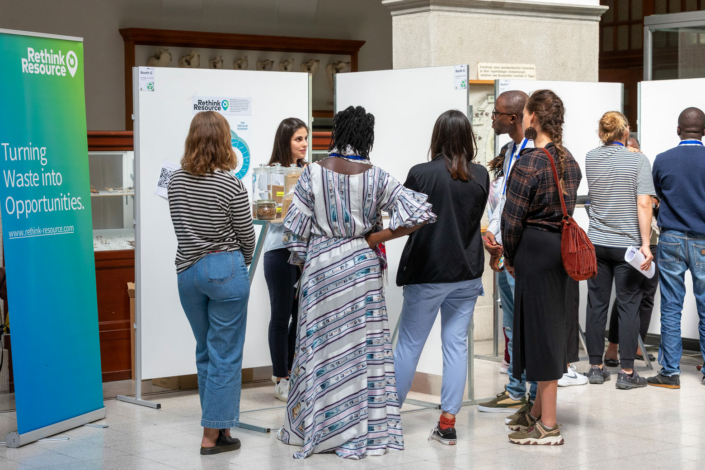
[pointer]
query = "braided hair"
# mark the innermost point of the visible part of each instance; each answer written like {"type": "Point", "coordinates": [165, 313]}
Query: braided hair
{"type": "Point", "coordinates": [353, 128]}
{"type": "Point", "coordinates": [550, 114]}
{"type": "Point", "coordinates": [496, 165]}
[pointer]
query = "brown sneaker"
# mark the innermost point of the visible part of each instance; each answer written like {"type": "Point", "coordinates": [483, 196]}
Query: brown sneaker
{"type": "Point", "coordinates": [524, 409]}
{"type": "Point", "coordinates": [502, 403]}
{"type": "Point", "coordinates": [538, 435]}
{"type": "Point", "coordinates": [523, 422]}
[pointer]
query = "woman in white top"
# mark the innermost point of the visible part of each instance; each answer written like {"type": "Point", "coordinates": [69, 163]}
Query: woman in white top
{"type": "Point", "coordinates": [290, 148]}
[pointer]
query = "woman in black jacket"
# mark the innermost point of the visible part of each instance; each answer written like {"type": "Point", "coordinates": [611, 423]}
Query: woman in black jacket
{"type": "Point", "coordinates": [441, 266]}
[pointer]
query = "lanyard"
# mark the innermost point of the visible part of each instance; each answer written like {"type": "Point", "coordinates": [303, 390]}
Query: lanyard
{"type": "Point", "coordinates": [351, 157]}
{"type": "Point", "coordinates": [511, 157]}
{"type": "Point", "coordinates": [618, 143]}
{"type": "Point", "coordinates": [690, 142]}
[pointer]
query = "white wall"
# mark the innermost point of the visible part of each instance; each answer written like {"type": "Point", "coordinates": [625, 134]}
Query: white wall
{"type": "Point", "coordinates": [98, 22]}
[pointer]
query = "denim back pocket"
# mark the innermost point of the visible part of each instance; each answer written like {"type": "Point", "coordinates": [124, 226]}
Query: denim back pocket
{"type": "Point", "coordinates": [669, 252]}
{"type": "Point", "coordinates": [699, 256]}
{"type": "Point", "coordinates": [220, 267]}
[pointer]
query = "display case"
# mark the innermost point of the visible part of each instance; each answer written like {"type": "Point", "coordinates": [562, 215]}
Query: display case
{"type": "Point", "coordinates": [112, 199]}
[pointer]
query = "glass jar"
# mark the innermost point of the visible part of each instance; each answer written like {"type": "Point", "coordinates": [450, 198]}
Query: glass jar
{"type": "Point", "coordinates": [291, 178]}
{"type": "Point", "coordinates": [261, 185]}
{"type": "Point", "coordinates": [276, 179]}
{"type": "Point", "coordinates": [266, 209]}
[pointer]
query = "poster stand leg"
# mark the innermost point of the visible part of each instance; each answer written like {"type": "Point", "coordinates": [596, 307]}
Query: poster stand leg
{"type": "Point", "coordinates": [497, 320]}
{"type": "Point", "coordinates": [582, 337]}
{"type": "Point", "coordinates": [253, 266]}
{"type": "Point", "coordinates": [137, 399]}
{"type": "Point", "coordinates": [645, 354]}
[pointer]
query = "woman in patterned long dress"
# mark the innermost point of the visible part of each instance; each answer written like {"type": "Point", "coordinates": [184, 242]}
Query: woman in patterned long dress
{"type": "Point", "coordinates": [343, 395]}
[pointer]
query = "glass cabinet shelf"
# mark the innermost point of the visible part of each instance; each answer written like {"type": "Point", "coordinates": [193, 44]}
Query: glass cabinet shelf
{"type": "Point", "coordinates": [112, 199]}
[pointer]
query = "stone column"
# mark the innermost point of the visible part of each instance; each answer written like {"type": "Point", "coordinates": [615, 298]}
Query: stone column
{"type": "Point", "coordinates": [561, 39]}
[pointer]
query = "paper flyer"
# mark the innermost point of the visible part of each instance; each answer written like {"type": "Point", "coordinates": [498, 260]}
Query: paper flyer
{"type": "Point", "coordinates": [167, 169]}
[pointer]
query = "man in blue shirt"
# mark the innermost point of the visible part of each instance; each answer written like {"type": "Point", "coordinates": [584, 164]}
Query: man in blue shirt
{"type": "Point", "coordinates": [679, 178]}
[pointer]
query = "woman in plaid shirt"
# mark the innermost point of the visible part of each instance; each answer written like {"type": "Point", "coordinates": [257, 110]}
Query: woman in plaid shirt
{"type": "Point", "coordinates": [531, 231]}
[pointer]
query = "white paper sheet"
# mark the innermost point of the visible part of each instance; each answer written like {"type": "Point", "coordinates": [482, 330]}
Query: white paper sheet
{"type": "Point", "coordinates": [635, 257]}
{"type": "Point", "coordinates": [164, 176]}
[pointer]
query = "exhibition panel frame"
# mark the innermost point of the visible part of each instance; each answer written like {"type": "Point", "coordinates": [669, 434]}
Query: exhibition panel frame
{"type": "Point", "coordinates": [165, 346]}
{"type": "Point", "coordinates": [406, 104]}
{"type": "Point", "coordinates": [660, 104]}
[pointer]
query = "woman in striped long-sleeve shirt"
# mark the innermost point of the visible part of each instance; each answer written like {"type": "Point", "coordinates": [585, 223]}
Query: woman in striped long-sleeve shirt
{"type": "Point", "coordinates": [213, 223]}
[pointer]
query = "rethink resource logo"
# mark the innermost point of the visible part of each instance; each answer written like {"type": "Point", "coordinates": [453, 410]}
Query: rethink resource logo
{"type": "Point", "coordinates": [225, 105]}
{"type": "Point", "coordinates": [48, 62]}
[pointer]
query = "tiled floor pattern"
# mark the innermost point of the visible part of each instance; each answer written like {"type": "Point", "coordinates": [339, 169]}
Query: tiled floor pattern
{"type": "Point", "coordinates": [603, 428]}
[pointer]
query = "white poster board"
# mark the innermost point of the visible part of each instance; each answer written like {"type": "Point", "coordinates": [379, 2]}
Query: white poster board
{"type": "Point", "coordinates": [660, 104]}
{"type": "Point", "coordinates": [584, 102]}
{"type": "Point", "coordinates": [162, 119]}
{"type": "Point", "coordinates": [406, 104]}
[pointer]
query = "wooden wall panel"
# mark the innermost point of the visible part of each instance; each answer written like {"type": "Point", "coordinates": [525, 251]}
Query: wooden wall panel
{"type": "Point", "coordinates": [113, 270]}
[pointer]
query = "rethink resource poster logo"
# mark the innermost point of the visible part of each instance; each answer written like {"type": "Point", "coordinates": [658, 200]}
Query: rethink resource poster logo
{"type": "Point", "coordinates": [238, 112]}
{"type": "Point", "coordinates": [223, 105]}
{"type": "Point", "coordinates": [48, 231]}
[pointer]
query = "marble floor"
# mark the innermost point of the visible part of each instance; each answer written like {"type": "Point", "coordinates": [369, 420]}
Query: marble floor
{"type": "Point", "coordinates": [603, 428]}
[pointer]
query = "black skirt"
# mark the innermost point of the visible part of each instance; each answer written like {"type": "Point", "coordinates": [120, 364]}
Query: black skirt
{"type": "Point", "coordinates": [540, 316]}
{"type": "Point", "coordinates": [572, 320]}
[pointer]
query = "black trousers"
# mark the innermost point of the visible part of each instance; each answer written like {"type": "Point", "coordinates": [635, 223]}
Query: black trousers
{"type": "Point", "coordinates": [629, 283]}
{"type": "Point", "coordinates": [646, 307]}
{"type": "Point", "coordinates": [281, 277]}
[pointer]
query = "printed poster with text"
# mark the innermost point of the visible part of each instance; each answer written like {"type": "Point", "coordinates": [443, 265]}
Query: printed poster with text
{"type": "Point", "coordinates": [47, 230]}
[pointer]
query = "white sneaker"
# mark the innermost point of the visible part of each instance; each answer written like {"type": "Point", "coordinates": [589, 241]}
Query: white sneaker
{"type": "Point", "coordinates": [504, 368]}
{"type": "Point", "coordinates": [281, 389]}
{"type": "Point", "coordinates": [572, 378]}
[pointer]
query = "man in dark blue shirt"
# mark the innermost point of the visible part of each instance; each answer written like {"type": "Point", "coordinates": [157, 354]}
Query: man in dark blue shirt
{"type": "Point", "coordinates": [679, 178]}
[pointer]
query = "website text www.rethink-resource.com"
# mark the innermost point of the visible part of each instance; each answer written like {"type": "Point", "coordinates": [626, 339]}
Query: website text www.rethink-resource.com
{"type": "Point", "coordinates": [41, 232]}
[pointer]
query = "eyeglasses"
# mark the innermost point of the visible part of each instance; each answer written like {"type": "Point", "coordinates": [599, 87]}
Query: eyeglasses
{"type": "Point", "coordinates": [496, 113]}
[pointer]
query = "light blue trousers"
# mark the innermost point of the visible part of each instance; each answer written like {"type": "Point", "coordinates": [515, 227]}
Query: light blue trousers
{"type": "Point", "coordinates": [456, 302]}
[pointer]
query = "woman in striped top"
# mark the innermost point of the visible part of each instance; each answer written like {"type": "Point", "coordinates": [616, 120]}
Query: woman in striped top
{"type": "Point", "coordinates": [619, 188]}
{"type": "Point", "coordinates": [211, 214]}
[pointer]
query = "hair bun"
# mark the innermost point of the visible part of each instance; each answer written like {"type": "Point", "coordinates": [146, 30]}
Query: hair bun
{"type": "Point", "coordinates": [612, 126]}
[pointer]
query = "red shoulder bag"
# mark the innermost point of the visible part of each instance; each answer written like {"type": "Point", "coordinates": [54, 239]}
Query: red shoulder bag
{"type": "Point", "coordinates": [577, 251]}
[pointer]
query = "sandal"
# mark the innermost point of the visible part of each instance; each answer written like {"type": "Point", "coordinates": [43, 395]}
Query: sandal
{"type": "Point", "coordinates": [222, 444]}
{"type": "Point", "coordinates": [611, 362]}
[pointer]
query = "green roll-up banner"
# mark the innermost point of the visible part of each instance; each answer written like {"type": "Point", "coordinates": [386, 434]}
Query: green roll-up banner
{"type": "Point", "coordinates": [47, 231]}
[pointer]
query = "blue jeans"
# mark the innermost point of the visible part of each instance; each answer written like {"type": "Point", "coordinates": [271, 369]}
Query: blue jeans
{"type": "Point", "coordinates": [214, 294]}
{"type": "Point", "coordinates": [516, 388]}
{"type": "Point", "coordinates": [456, 300]}
{"type": "Point", "coordinates": [678, 252]}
